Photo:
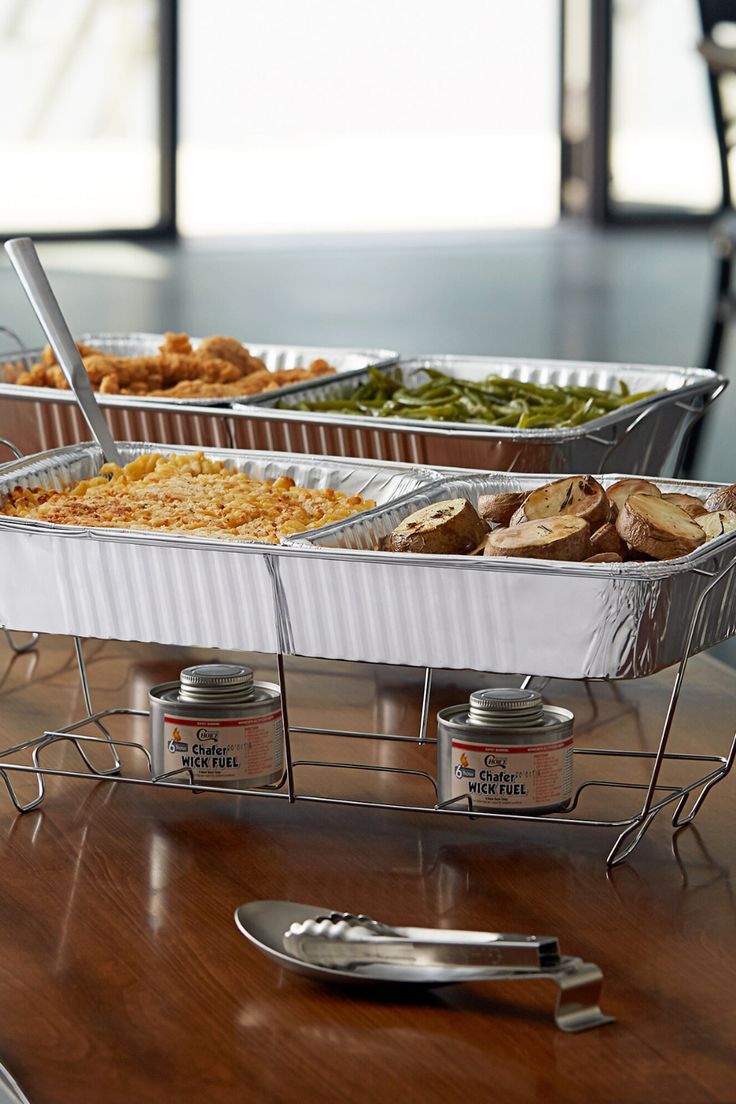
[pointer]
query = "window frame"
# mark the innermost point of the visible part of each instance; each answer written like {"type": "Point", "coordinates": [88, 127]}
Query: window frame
{"type": "Point", "coordinates": [165, 227]}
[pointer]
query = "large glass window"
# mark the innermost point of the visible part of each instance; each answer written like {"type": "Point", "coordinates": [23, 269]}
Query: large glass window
{"type": "Point", "coordinates": [79, 129]}
{"type": "Point", "coordinates": [663, 149]}
{"type": "Point", "coordinates": [345, 116]}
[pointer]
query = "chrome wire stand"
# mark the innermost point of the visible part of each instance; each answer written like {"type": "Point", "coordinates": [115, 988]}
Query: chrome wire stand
{"type": "Point", "coordinates": [631, 829]}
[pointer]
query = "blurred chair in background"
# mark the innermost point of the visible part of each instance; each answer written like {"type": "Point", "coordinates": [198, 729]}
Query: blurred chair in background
{"type": "Point", "coordinates": [718, 48]}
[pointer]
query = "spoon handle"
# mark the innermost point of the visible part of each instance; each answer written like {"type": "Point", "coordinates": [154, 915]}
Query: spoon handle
{"type": "Point", "coordinates": [25, 261]}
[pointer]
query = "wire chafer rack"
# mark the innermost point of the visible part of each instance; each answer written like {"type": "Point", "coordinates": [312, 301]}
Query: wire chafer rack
{"type": "Point", "coordinates": [91, 733]}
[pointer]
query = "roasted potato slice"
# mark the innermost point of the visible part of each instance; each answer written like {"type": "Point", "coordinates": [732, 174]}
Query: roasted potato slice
{"type": "Point", "coordinates": [580, 495]}
{"type": "Point", "coordinates": [716, 524]}
{"type": "Point", "coordinates": [605, 557]}
{"type": "Point", "coordinates": [722, 499]}
{"type": "Point", "coordinates": [689, 503]}
{"type": "Point", "coordinates": [498, 508]}
{"type": "Point", "coordinates": [619, 492]}
{"type": "Point", "coordinates": [451, 527]}
{"type": "Point", "coordinates": [659, 528]}
{"type": "Point", "coordinates": [606, 540]}
{"type": "Point", "coordinates": [564, 537]}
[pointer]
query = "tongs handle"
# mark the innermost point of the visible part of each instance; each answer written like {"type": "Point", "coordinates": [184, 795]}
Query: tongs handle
{"type": "Point", "coordinates": [341, 942]}
{"type": "Point", "coordinates": [31, 273]}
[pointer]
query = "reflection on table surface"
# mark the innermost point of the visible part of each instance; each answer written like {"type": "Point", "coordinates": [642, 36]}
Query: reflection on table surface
{"type": "Point", "coordinates": [124, 975]}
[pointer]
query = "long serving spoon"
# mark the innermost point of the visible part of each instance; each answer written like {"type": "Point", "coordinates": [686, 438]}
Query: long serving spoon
{"type": "Point", "coordinates": [31, 273]}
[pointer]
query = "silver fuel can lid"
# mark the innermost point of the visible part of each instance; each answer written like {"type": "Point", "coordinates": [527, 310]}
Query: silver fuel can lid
{"type": "Point", "coordinates": [216, 682]}
{"type": "Point", "coordinates": [506, 708]}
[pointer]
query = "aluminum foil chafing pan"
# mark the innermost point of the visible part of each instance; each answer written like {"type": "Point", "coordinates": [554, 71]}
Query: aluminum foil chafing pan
{"type": "Point", "coordinates": [137, 585]}
{"type": "Point", "coordinates": [42, 418]}
{"type": "Point", "coordinates": [644, 437]}
{"type": "Point", "coordinates": [565, 620]}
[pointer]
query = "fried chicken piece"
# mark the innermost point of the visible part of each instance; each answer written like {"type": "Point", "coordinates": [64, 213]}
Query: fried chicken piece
{"type": "Point", "coordinates": [110, 385]}
{"type": "Point", "coordinates": [56, 378]}
{"type": "Point", "coordinates": [98, 367]}
{"type": "Point", "coordinates": [254, 384]}
{"type": "Point", "coordinates": [12, 370]}
{"type": "Point", "coordinates": [175, 368]}
{"type": "Point", "coordinates": [46, 372]}
{"type": "Point", "coordinates": [194, 389]}
{"type": "Point", "coordinates": [320, 367]}
{"type": "Point", "coordinates": [34, 377]}
{"type": "Point", "coordinates": [48, 356]}
{"type": "Point", "coordinates": [176, 343]}
{"type": "Point", "coordinates": [270, 381]}
{"type": "Point", "coordinates": [229, 348]}
{"type": "Point", "coordinates": [219, 371]}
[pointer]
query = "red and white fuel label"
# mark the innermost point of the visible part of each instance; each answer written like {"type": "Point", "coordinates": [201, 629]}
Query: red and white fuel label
{"type": "Point", "coordinates": [512, 776]}
{"type": "Point", "coordinates": [237, 749]}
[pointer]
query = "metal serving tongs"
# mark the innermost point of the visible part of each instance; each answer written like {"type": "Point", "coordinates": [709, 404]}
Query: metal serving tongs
{"type": "Point", "coordinates": [348, 941]}
{"type": "Point", "coordinates": [342, 947]}
{"type": "Point", "coordinates": [31, 273]}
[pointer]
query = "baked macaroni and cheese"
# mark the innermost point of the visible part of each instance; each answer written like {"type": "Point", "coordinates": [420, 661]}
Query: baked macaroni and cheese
{"type": "Point", "coordinates": [186, 494]}
{"type": "Point", "coordinates": [220, 367]}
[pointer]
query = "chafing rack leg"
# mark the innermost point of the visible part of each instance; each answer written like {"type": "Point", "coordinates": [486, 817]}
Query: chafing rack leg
{"type": "Point", "coordinates": [20, 649]}
{"type": "Point", "coordinates": [621, 848]}
{"type": "Point", "coordinates": [114, 769]}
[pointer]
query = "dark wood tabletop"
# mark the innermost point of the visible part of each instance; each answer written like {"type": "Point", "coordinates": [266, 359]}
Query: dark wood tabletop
{"type": "Point", "coordinates": [124, 979]}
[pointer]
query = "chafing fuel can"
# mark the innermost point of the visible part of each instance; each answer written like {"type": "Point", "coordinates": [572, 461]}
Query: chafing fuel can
{"type": "Point", "coordinates": [506, 751]}
{"type": "Point", "coordinates": [221, 725]}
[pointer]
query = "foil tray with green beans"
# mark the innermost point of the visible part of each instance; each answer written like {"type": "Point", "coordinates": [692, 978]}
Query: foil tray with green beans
{"type": "Point", "coordinates": [494, 401]}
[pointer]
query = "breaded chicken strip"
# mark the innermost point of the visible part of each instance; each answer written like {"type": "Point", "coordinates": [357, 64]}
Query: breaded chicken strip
{"type": "Point", "coordinates": [176, 343]}
{"type": "Point", "coordinates": [228, 348]}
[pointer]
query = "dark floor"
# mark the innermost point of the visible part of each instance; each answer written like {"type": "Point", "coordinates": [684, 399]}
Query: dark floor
{"type": "Point", "coordinates": [626, 296]}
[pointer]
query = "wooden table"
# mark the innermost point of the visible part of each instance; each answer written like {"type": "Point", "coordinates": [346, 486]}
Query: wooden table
{"type": "Point", "coordinates": [123, 977]}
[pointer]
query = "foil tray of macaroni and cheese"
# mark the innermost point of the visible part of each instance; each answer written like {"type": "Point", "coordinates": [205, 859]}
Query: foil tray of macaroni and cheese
{"type": "Point", "coordinates": [641, 437]}
{"type": "Point", "coordinates": [47, 417]}
{"type": "Point", "coordinates": [343, 598]}
{"type": "Point", "coordinates": [154, 585]}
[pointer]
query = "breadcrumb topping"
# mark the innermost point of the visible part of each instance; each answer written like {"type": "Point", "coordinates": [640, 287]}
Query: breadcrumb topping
{"type": "Point", "coordinates": [187, 494]}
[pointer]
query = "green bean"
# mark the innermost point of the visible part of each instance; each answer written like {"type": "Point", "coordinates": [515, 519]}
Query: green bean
{"type": "Point", "coordinates": [639, 396]}
{"type": "Point", "coordinates": [497, 400]}
{"type": "Point", "coordinates": [441, 413]}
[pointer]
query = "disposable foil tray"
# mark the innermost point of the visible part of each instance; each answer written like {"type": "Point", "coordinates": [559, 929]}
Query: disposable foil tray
{"type": "Point", "coordinates": [173, 589]}
{"type": "Point", "coordinates": [343, 600]}
{"type": "Point", "coordinates": [41, 418]}
{"type": "Point", "coordinates": [643, 437]}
